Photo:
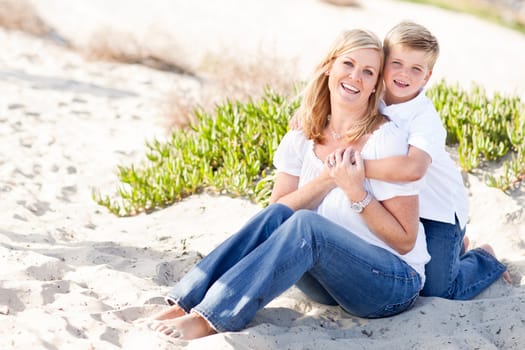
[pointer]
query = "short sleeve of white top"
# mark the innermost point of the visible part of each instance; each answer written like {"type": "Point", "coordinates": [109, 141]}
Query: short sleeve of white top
{"type": "Point", "coordinates": [295, 156]}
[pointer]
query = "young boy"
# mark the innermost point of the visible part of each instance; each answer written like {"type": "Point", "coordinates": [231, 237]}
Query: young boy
{"type": "Point", "coordinates": [410, 54]}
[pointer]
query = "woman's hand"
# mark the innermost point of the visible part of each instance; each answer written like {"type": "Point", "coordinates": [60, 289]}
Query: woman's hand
{"type": "Point", "coordinates": [395, 221]}
{"type": "Point", "coordinates": [348, 171]}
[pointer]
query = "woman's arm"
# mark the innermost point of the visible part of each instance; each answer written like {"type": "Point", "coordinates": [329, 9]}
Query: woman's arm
{"type": "Point", "coordinates": [411, 167]}
{"type": "Point", "coordinates": [395, 221]}
{"type": "Point", "coordinates": [286, 191]}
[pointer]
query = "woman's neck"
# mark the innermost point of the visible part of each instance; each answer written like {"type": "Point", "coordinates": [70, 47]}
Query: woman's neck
{"type": "Point", "coordinates": [343, 119]}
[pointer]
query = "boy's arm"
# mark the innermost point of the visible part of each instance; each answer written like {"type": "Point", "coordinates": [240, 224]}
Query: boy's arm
{"type": "Point", "coordinates": [411, 167]}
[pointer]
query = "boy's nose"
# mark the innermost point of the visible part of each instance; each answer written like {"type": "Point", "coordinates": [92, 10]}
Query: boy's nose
{"type": "Point", "coordinates": [405, 71]}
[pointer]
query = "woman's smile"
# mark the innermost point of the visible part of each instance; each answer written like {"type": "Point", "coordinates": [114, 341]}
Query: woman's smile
{"type": "Point", "coordinates": [350, 88]}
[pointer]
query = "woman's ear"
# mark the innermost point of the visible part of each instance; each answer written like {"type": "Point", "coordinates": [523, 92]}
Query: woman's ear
{"type": "Point", "coordinates": [327, 73]}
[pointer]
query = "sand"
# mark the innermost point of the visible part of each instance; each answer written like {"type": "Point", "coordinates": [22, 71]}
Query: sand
{"type": "Point", "coordinates": [73, 276]}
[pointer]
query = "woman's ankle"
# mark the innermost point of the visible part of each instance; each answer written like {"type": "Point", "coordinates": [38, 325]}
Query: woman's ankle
{"type": "Point", "coordinates": [171, 312]}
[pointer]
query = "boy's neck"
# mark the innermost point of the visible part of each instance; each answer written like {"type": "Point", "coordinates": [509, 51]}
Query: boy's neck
{"type": "Point", "coordinates": [393, 100]}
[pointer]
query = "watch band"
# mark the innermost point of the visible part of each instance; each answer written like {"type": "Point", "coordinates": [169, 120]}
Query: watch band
{"type": "Point", "coordinates": [358, 207]}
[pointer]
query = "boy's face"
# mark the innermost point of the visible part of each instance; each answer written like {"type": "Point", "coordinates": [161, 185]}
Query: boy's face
{"type": "Point", "coordinates": [406, 72]}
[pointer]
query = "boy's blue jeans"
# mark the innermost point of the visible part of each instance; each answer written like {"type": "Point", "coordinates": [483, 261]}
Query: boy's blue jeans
{"type": "Point", "coordinates": [451, 272]}
{"type": "Point", "coordinates": [274, 250]}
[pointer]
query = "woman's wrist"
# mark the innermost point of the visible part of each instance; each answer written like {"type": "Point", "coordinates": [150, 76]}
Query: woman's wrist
{"type": "Point", "coordinates": [359, 206]}
{"type": "Point", "coordinates": [357, 195]}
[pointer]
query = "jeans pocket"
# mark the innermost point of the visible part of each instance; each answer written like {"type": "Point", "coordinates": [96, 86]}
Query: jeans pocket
{"type": "Point", "coordinates": [394, 309]}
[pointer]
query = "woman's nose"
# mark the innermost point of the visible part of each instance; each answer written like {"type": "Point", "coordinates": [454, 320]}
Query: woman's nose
{"type": "Point", "coordinates": [356, 75]}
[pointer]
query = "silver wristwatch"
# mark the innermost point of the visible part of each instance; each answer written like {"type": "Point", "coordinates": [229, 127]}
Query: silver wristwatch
{"type": "Point", "coordinates": [359, 206]}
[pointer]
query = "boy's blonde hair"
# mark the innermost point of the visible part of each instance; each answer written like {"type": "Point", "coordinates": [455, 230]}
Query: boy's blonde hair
{"type": "Point", "coordinates": [315, 107]}
{"type": "Point", "coordinates": [414, 36]}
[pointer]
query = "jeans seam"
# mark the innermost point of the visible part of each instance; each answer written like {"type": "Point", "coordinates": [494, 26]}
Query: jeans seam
{"type": "Point", "coordinates": [373, 268]}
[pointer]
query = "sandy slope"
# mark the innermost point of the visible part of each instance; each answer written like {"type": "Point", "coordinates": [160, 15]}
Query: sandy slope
{"type": "Point", "coordinates": [74, 277]}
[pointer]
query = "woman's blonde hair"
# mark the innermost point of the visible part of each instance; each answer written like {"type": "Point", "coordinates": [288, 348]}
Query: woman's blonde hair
{"type": "Point", "coordinates": [315, 107]}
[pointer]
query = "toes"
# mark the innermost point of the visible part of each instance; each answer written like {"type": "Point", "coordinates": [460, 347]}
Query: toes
{"type": "Point", "coordinates": [154, 325]}
{"type": "Point", "coordinates": [164, 329]}
{"type": "Point", "coordinates": [142, 321]}
{"type": "Point", "coordinates": [506, 277]}
{"type": "Point", "coordinates": [173, 333]}
{"type": "Point", "coordinates": [169, 332]}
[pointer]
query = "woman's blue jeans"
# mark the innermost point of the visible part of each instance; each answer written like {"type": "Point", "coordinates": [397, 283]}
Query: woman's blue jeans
{"type": "Point", "coordinates": [274, 250]}
{"type": "Point", "coordinates": [452, 273]}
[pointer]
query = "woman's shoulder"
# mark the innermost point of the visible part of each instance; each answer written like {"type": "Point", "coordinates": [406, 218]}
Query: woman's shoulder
{"type": "Point", "coordinates": [389, 129]}
{"type": "Point", "coordinates": [294, 141]}
{"type": "Point", "coordinates": [296, 137]}
{"type": "Point", "coordinates": [389, 139]}
{"type": "Point", "coordinates": [291, 152]}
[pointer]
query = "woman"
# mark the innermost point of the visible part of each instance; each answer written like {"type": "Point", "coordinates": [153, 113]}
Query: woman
{"type": "Point", "coordinates": [342, 238]}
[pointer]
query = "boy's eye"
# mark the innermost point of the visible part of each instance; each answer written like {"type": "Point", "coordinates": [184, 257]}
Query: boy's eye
{"type": "Point", "coordinates": [417, 69]}
{"type": "Point", "coordinates": [368, 72]}
{"type": "Point", "coordinates": [396, 63]}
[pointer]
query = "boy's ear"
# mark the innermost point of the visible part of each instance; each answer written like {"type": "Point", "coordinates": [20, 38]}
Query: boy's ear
{"type": "Point", "coordinates": [427, 77]}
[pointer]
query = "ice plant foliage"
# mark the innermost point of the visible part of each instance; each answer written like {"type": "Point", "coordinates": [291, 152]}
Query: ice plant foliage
{"type": "Point", "coordinates": [230, 150]}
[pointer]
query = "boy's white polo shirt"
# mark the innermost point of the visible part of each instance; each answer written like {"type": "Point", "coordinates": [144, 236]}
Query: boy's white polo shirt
{"type": "Point", "coordinates": [443, 195]}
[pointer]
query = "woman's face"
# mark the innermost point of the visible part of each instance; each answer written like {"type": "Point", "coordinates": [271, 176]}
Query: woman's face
{"type": "Point", "coordinates": [353, 76]}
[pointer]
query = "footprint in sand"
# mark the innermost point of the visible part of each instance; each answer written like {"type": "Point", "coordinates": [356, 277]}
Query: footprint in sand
{"type": "Point", "coordinates": [51, 270]}
{"type": "Point", "coordinates": [49, 290]}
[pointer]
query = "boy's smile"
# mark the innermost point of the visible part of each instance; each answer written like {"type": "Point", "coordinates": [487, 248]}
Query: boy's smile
{"type": "Point", "coordinates": [406, 72]}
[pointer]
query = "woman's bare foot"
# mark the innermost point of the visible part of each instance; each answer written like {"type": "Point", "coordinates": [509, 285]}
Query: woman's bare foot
{"type": "Point", "coordinates": [171, 312]}
{"type": "Point", "coordinates": [187, 327]}
{"type": "Point", "coordinates": [490, 250]}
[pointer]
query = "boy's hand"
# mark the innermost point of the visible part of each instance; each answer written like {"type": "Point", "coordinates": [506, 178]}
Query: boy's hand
{"type": "Point", "coordinates": [295, 122]}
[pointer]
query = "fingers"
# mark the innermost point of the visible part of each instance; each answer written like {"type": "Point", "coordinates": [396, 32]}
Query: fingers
{"type": "Point", "coordinates": [335, 157]}
{"type": "Point", "coordinates": [358, 161]}
{"type": "Point", "coordinates": [338, 155]}
{"type": "Point", "coordinates": [346, 156]}
{"type": "Point", "coordinates": [295, 122]}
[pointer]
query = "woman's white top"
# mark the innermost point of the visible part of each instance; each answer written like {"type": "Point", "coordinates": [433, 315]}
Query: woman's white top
{"type": "Point", "coordinates": [295, 156]}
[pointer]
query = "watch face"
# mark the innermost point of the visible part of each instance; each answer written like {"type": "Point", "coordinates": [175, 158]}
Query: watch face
{"type": "Point", "coordinates": [356, 207]}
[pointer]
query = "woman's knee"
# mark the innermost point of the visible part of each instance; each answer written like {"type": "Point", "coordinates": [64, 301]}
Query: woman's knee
{"type": "Point", "coordinates": [303, 226]}
{"type": "Point", "coordinates": [305, 215]}
{"type": "Point", "coordinates": [279, 209]}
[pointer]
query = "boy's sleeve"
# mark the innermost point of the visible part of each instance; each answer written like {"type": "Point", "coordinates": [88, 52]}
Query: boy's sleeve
{"type": "Point", "coordinates": [427, 133]}
{"type": "Point", "coordinates": [392, 143]}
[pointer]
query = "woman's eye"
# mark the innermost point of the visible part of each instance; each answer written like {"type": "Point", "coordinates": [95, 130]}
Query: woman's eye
{"type": "Point", "coordinates": [349, 64]}
{"type": "Point", "coordinates": [369, 72]}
